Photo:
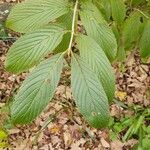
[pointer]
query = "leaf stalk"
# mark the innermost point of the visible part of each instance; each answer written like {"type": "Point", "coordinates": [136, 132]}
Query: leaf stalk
{"type": "Point", "coordinates": [73, 28]}
{"type": "Point", "coordinates": [146, 16]}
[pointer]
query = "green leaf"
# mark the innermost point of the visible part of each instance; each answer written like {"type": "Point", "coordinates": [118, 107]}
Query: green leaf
{"type": "Point", "coordinates": [138, 124]}
{"type": "Point", "coordinates": [118, 10]}
{"type": "Point", "coordinates": [93, 54]}
{"type": "Point", "coordinates": [37, 90]}
{"type": "Point", "coordinates": [3, 139]}
{"type": "Point", "coordinates": [145, 143]}
{"type": "Point", "coordinates": [88, 93]}
{"type": "Point", "coordinates": [66, 21]}
{"type": "Point", "coordinates": [32, 47]}
{"type": "Point", "coordinates": [3, 33]}
{"type": "Point", "coordinates": [145, 41]}
{"type": "Point", "coordinates": [97, 28]}
{"type": "Point", "coordinates": [121, 54]}
{"type": "Point", "coordinates": [105, 7]}
{"type": "Point", "coordinates": [63, 44]}
{"type": "Point", "coordinates": [148, 129]}
{"type": "Point", "coordinates": [32, 14]}
{"type": "Point", "coordinates": [133, 28]}
{"type": "Point", "coordinates": [3, 135]}
{"type": "Point", "coordinates": [93, 12]}
{"type": "Point", "coordinates": [116, 32]}
{"type": "Point", "coordinates": [138, 2]}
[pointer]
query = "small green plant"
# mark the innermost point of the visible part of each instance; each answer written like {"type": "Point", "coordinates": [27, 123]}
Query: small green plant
{"type": "Point", "coordinates": [2, 31]}
{"type": "Point", "coordinates": [75, 31]}
{"type": "Point", "coordinates": [130, 22]}
{"type": "Point", "coordinates": [136, 126]}
{"type": "Point", "coordinates": [3, 139]}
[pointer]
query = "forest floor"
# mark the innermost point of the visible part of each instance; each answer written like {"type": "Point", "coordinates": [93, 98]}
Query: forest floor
{"type": "Point", "coordinates": [61, 127]}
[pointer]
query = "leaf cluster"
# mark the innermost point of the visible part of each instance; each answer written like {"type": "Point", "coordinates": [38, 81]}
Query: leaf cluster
{"type": "Point", "coordinates": [130, 22]}
{"type": "Point", "coordinates": [86, 33]}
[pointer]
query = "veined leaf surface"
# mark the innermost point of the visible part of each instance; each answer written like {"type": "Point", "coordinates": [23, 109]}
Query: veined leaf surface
{"type": "Point", "coordinates": [118, 10]}
{"type": "Point", "coordinates": [104, 7]}
{"type": "Point", "coordinates": [88, 93]}
{"type": "Point", "coordinates": [93, 54]}
{"type": "Point", "coordinates": [66, 21]}
{"type": "Point", "coordinates": [32, 47]}
{"type": "Point", "coordinates": [97, 28]}
{"type": "Point", "coordinates": [133, 27]}
{"type": "Point", "coordinates": [37, 90]}
{"type": "Point", "coordinates": [32, 14]}
{"type": "Point", "coordinates": [145, 41]}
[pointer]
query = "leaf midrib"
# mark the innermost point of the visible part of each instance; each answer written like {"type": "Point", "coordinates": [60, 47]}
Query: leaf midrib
{"type": "Point", "coordinates": [88, 86]}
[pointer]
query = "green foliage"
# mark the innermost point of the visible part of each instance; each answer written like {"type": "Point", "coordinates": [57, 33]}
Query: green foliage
{"type": "Point", "coordinates": [129, 22]}
{"type": "Point", "coordinates": [51, 26]}
{"type": "Point", "coordinates": [88, 93]}
{"type": "Point", "coordinates": [145, 41]}
{"type": "Point", "coordinates": [132, 29]}
{"type": "Point", "coordinates": [3, 139]}
{"type": "Point", "coordinates": [31, 15]}
{"type": "Point", "coordinates": [118, 10]}
{"type": "Point", "coordinates": [97, 28]}
{"type": "Point", "coordinates": [93, 54]}
{"type": "Point", "coordinates": [81, 32]}
{"type": "Point", "coordinates": [30, 48]}
{"type": "Point", "coordinates": [131, 126]}
{"type": "Point", "coordinates": [37, 90]}
{"type": "Point", "coordinates": [3, 33]}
